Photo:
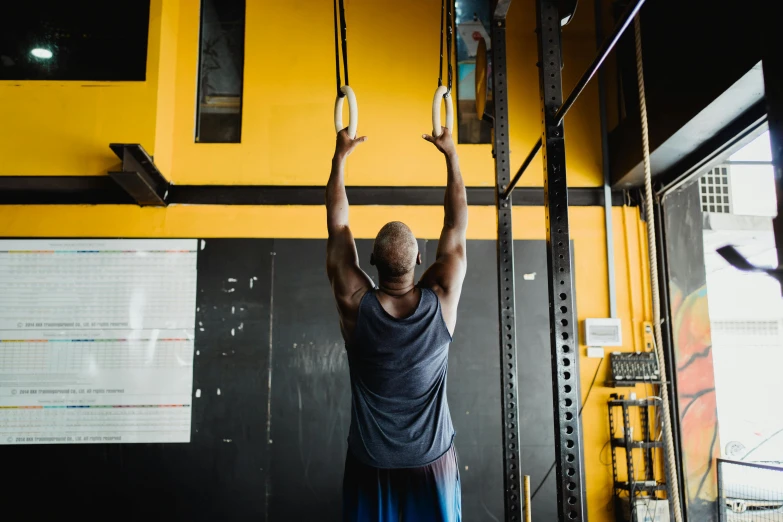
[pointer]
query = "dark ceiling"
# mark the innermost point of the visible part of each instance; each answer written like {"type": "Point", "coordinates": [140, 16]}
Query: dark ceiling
{"type": "Point", "coordinates": [701, 76]}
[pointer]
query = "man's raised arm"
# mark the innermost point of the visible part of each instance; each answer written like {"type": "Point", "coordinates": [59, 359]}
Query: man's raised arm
{"type": "Point", "coordinates": [446, 275]}
{"type": "Point", "coordinates": [342, 262]}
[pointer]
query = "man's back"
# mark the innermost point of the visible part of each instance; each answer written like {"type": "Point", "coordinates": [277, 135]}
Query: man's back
{"type": "Point", "coordinates": [401, 464]}
{"type": "Point", "coordinates": [399, 414]}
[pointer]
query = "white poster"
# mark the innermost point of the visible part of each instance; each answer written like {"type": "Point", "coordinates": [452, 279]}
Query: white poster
{"type": "Point", "coordinates": [96, 340]}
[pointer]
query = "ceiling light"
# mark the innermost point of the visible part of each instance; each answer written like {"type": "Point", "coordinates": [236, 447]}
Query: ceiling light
{"type": "Point", "coordinates": [44, 54]}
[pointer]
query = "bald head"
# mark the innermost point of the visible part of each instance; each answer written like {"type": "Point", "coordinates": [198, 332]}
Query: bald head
{"type": "Point", "coordinates": [395, 251]}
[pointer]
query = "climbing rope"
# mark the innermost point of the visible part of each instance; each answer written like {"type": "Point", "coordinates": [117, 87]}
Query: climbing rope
{"type": "Point", "coordinates": [671, 464]}
{"type": "Point", "coordinates": [443, 93]}
{"type": "Point", "coordinates": [343, 90]}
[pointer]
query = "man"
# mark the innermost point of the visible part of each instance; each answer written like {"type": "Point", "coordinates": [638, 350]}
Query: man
{"type": "Point", "coordinates": [401, 464]}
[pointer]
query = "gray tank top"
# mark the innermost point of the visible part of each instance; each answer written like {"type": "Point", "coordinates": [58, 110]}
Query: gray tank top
{"type": "Point", "coordinates": [399, 414]}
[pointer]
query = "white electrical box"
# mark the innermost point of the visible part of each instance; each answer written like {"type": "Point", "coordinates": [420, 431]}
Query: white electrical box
{"type": "Point", "coordinates": [595, 352]}
{"type": "Point", "coordinates": [603, 332]}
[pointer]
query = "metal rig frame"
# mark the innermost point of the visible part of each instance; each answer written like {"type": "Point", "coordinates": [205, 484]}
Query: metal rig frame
{"type": "Point", "coordinates": [563, 325]}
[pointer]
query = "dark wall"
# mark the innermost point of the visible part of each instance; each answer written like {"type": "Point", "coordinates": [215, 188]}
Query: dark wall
{"type": "Point", "coordinates": [693, 53]}
{"type": "Point", "coordinates": [272, 445]}
{"type": "Point", "coordinates": [534, 363]}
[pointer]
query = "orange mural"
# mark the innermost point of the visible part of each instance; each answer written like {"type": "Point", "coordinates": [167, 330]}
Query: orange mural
{"type": "Point", "coordinates": [696, 399]}
{"type": "Point", "coordinates": [692, 352]}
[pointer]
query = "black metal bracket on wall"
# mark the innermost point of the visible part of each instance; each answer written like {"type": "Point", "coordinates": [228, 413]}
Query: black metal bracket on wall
{"type": "Point", "coordinates": [563, 327]}
{"type": "Point", "coordinates": [137, 182]}
{"type": "Point", "coordinates": [139, 176]}
{"type": "Point", "coordinates": [505, 260]}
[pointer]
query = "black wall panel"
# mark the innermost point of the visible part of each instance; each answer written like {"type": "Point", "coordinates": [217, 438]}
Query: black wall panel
{"type": "Point", "coordinates": [311, 394]}
{"type": "Point", "coordinates": [474, 389]}
{"type": "Point", "coordinates": [263, 301]}
{"type": "Point", "coordinates": [232, 343]}
{"type": "Point", "coordinates": [536, 435]}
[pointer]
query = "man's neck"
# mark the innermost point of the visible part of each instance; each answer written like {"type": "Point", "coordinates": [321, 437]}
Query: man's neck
{"type": "Point", "coordinates": [397, 287]}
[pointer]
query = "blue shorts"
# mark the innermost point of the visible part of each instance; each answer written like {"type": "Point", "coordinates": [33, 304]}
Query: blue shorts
{"type": "Point", "coordinates": [430, 493]}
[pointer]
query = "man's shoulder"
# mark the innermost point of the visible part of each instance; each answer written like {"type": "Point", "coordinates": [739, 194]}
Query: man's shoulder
{"type": "Point", "coordinates": [354, 300]}
{"type": "Point", "coordinates": [432, 288]}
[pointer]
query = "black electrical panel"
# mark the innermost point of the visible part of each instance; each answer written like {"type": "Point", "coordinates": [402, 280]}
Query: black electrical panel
{"type": "Point", "coordinates": [629, 369]}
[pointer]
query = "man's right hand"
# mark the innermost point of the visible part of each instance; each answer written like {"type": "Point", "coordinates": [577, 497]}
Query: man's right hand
{"type": "Point", "coordinates": [444, 142]}
{"type": "Point", "coordinates": [345, 145]}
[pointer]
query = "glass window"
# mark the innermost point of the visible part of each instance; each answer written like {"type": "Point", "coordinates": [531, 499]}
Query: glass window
{"type": "Point", "coordinates": [757, 150]}
{"type": "Point", "coordinates": [87, 40]}
{"type": "Point", "coordinates": [745, 311]}
{"type": "Point", "coordinates": [752, 187]}
{"type": "Point", "coordinates": [221, 69]}
{"type": "Point", "coordinates": [472, 18]}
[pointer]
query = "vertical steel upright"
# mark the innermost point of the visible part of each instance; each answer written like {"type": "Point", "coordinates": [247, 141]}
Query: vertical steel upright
{"type": "Point", "coordinates": [505, 257]}
{"type": "Point", "coordinates": [563, 327]}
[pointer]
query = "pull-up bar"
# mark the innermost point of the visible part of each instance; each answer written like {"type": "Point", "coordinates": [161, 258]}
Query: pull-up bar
{"type": "Point", "coordinates": [606, 48]}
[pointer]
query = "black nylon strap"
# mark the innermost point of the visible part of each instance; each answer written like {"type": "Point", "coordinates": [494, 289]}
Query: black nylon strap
{"type": "Point", "coordinates": [440, 65]}
{"type": "Point", "coordinates": [343, 30]}
{"type": "Point", "coordinates": [342, 36]}
{"type": "Point", "coordinates": [449, 35]}
{"type": "Point", "coordinates": [337, 51]}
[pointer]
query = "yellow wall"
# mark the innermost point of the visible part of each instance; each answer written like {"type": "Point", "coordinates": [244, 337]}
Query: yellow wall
{"type": "Point", "coordinates": [63, 128]}
{"type": "Point", "coordinates": [393, 56]}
